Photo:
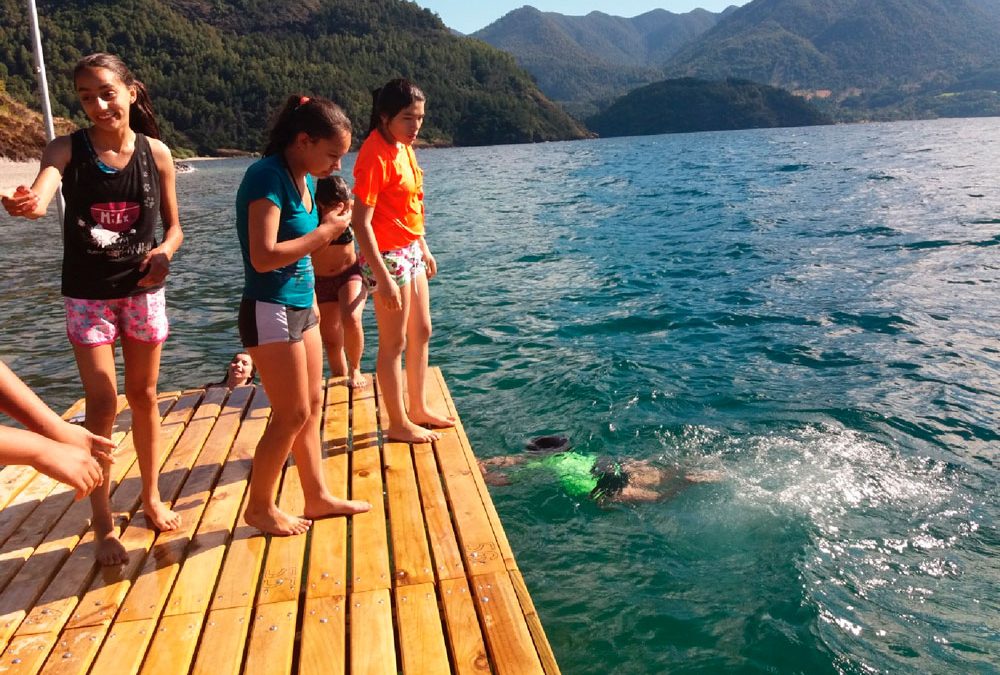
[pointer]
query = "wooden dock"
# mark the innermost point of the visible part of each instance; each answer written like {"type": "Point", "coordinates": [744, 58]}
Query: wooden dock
{"type": "Point", "coordinates": [424, 583]}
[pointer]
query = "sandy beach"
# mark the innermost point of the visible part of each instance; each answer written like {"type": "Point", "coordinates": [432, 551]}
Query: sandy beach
{"type": "Point", "coordinates": [13, 174]}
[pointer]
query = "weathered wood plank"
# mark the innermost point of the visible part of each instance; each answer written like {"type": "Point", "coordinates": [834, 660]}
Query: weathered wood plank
{"type": "Point", "coordinates": [373, 649]}
{"type": "Point", "coordinates": [410, 555]}
{"type": "Point", "coordinates": [465, 639]}
{"type": "Point", "coordinates": [511, 646]}
{"type": "Point", "coordinates": [421, 637]}
{"type": "Point", "coordinates": [324, 639]}
{"type": "Point", "coordinates": [369, 542]}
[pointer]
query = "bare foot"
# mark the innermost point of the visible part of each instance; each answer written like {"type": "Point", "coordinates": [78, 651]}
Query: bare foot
{"type": "Point", "coordinates": [329, 507]}
{"type": "Point", "coordinates": [110, 550]}
{"type": "Point", "coordinates": [161, 516]}
{"type": "Point", "coordinates": [430, 419]}
{"type": "Point", "coordinates": [410, 433]}
{"type": "Point", "coordinates": [273, 520]}
{"type": "Point", "coordinates": [355, 380]}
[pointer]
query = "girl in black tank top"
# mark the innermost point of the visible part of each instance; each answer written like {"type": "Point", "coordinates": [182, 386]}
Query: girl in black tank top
{"type": "Point", "coordinates": [118, 178]}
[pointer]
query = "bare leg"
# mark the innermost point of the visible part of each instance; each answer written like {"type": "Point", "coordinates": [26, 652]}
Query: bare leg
{"type": "Point", "coordinates": [142, 370]}
{"type": "Point", "coordinates": [100, 387]}
{"type": "Point", "coordinates": [352, 304]}
{"type": "Point", "coordinates": [283, 373]}
{"type": "Point", "coordinates": [332, 331]}
{"type": "Point", "coordinates": [418, 336]}
{"type": "Point", "coordinates": [307, 447]}
{"type": "Point", "coordinates": [389, 367]}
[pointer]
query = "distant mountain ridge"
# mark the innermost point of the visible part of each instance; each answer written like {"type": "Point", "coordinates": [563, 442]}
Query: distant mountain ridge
{"type": "Point", "coordinates": [882, 59]}
{"type": "Point", "coordinates": [598, 56]}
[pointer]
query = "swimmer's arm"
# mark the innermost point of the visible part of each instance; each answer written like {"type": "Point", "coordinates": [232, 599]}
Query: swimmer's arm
{"type": "Point", "coordinates": [34, 202]}
{"type": "Point", "coordinates": [267, 253]}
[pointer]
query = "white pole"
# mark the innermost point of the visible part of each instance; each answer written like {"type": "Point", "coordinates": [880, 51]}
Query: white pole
{"type": "Point", "coordinates": [43, 85]}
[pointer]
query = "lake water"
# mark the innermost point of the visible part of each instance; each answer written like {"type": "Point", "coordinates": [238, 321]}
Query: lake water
{"type": "Point", "coordinates": [811, 312]}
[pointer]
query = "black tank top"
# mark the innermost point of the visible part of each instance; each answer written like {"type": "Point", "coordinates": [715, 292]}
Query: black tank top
{"type": "Point", "coordinates": [110, 222]}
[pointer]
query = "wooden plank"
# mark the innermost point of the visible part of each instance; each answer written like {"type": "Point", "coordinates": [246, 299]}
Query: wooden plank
{"type": "Point", "coordinates": [465, 639]}
{"type": "Point", "coordinates": [272, 638]}
{"type": "Point", "coordinates": [223, 642]}
{"type": "Point", "coordinates": [282, 575]}
{"type": "Point", "coordinates": [480, 550]}
{"type": "Point", "coordinates": [327, 565]}
{"type": "Point", "coordinates": [181, 632]}
{"type": "Point", "coordinates": [511, 647]}
{"type": "Point", "coordinates": [373, 649]}
{"type": "Point", "coordinates": [440, 398]}
{"type": "Point", "coordinates": [421, 638]}
{"type": "Point", "coordinates": [20, 598]}
{"type": "Point", "coordinates": [148, 595]}
{"type": "Point", "coordinates": [548, 658]}
{"type": "Point", "coordinates": [369, 543]}
{"type": "Point", "coordinates": [410, 555]}
{"type": "Point", "coordinates": [444, 544]}
{"type": "Point", "coordinates": [324, 639]}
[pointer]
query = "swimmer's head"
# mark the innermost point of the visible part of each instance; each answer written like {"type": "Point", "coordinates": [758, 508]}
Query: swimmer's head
{"type": "Point", "coordinates": [547, 444]}
{"type": "Point", "coordinates": [611, 479]}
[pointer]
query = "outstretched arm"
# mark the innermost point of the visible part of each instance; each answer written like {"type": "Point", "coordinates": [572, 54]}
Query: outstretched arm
{"type": "Point", "coordinates": [50, 444]}
{"type": "Point", "coordinates": [33, 202]}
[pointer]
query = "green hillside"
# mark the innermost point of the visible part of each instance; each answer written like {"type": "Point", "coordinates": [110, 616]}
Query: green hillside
{"type": "Point", "coordinates": [218, 68]}
{"type": "Point", "coordinates": [583, 62]}
{"type": "Point", "coordinates": [687, 104]}
{"type": "Point", "coordinates": [892, 48]}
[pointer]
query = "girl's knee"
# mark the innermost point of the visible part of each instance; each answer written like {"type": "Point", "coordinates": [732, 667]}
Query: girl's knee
{"type": "Point", "coordinates": [101, 406]}
{"type": "Point", "coordinates": [141, 397]}
{"type": "Point", "coordinates": [291, 418]}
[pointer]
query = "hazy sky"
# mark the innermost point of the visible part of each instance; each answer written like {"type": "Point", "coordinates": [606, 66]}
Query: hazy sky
{"type": "Point", "coordinates": [468, 16]}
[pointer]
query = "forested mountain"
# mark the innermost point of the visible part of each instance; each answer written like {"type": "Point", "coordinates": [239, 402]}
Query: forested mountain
{"type": "Point", "coordinates": [217, 69]}
{"type": "Point", "coordinates": [688, 104]}
{"type": "Point", "coordinates": [577, 60]}
{"type": "Point", "coordinates": [884, 52]}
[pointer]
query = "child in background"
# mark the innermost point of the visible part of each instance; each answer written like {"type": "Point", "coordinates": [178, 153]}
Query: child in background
{"type": "Point", "coordinates": [340, 291]}
{"type": "Point", "coordinates": [49, 443]}
{"type": "Point", "coordinates": [396, 263]}
{"type": "Point", "coordinates": [118, 179]}
{"type": "Point", "coordinates": [278, 225]}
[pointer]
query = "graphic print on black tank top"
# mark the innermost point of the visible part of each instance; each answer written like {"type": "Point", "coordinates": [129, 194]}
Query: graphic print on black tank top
{"type": "Point", "coordinates": [110, 222]}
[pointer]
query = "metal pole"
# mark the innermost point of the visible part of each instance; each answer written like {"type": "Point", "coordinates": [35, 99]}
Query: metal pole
{"type": "Point", "coordinates": [43, 86]}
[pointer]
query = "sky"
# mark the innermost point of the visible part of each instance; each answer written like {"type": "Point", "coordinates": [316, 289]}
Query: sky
{"type": "Point", "coordinates": [468, 16]}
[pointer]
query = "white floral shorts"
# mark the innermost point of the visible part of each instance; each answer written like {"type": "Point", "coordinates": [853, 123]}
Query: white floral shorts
{"type": "Point", "coordinates": [142, 317]}
{"type": "Point", "coordinates": [404, 264]}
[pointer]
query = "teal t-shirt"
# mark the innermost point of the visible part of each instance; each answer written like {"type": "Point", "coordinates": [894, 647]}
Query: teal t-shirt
{"type": "Point", "coordinates": [573, 470]}
{"type": "Point", "coordinates": [292, 284]}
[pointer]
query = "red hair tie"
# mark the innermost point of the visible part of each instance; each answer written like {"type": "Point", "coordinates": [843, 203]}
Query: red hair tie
{"type": "Point", "coordinates": [303, 101]}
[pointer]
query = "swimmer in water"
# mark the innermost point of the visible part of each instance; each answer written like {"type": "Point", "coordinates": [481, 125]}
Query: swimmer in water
{"type": "Point", "coordinates": [603, 478]}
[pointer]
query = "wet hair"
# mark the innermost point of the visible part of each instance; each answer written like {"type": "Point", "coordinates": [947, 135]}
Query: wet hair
{"type": "Point", "coordinates": [331, 190]}
{"type": "Point", "coordinates": [253, 369]}
{"type": "Point", "coordinates": [611, 479]}
{"type": "Point", "coordinates": [392, 97]}
{"type": "Point", "coordinates": [317, 117]}
{"type": "Point", "coordinates": [141, 117]}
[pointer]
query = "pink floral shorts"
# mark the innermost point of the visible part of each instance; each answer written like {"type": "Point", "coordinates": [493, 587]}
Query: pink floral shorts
{"type": "Point", "coordinates": [143, 317]}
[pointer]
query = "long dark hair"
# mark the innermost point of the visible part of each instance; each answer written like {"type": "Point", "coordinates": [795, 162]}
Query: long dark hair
{"type": "Point", "coordinates": [318, 117]}
{"type": "Point", "coordinates": [392, 97]}
{"type": "Point", "coordinates": [141, 117]}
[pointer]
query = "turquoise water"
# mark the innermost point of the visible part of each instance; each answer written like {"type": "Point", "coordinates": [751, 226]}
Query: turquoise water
{"type": "Point", "coordinates": [811, 312]}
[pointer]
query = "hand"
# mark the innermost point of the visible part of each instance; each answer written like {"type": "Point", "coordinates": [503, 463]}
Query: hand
{"type": "Point", "coordinates": [156, 265]}
{"type": "Point", "coordinates": [71, 465]}
{"type": "Point", "coordinates": [387, 295]}
{"type": "Point", "coordinates": [431, 264]}
{"type": "Point", "coordinates": [22, 202]}
{"type": "Point", "coordinates": [100, 448]}
{"type": "Point", "coordinates": [334, 222]}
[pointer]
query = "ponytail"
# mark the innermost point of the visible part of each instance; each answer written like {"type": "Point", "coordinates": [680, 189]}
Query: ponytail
{"type": "Point", "coordinates": [317, 117]}
{"type": "Point", "coordinates": [141, 117]}
{"type": "Point", "coordinates": [140, 114]}
{"type": "Point", "coordinates": [390, 98]}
